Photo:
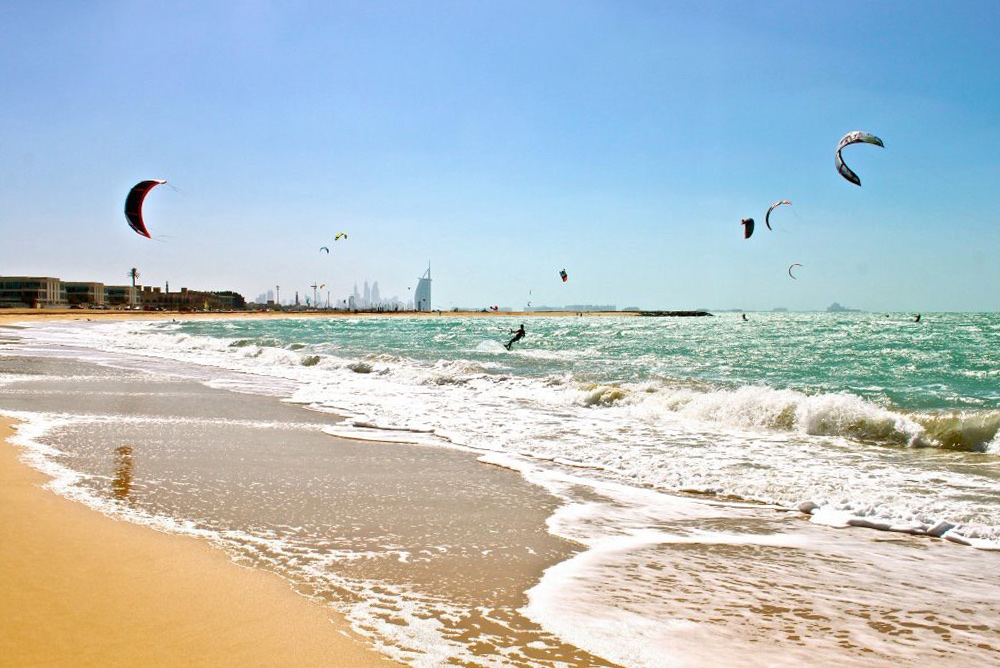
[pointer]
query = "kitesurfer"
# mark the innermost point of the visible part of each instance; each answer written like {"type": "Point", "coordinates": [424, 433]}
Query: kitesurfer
{"type": "Point", "coordinates": [745, 318]}
{"type": "Point", "coordinates": [518, 335]}
{"type": "Point", "coordinates": [917, 319]}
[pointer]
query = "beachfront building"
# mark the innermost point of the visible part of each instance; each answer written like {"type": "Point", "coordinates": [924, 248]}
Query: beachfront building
{"type": "Point", "coordinates": [422, 295]}
{"type": "Point", "coordinates": [121, 295]}
{"type": "Point", "coordinates": [190, 300]}
{"type": "Point", "coordinates": [48, 292]}
{"type": "Point", "coordinates": [85, 294]}
{"type": "Point", "coordinates": [31, 291]}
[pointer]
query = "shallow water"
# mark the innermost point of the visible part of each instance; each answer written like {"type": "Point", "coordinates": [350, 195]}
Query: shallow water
{"type": "Point", "coordinates": [678, 456]}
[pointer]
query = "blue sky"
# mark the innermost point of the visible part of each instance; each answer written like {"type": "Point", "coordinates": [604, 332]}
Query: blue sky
{"type": "Point", "coordinates": [505, 140]}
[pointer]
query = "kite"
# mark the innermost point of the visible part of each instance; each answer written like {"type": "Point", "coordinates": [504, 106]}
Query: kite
{"type": "Point", "coordinates": [853, 138]}
{"type": "Point", "coordinates": [325, 248]}
{"type": "Point", "coordinates": [133, 205]}
{"type": "Point", "coordinates": [340, 235]}
{"type": "Point", "coordinates": [747, 227]}
{"type": "Point", "coordinates": [795, 264]}
{"type": "Point", "coordinates": [767, 216]}
{"type": "Point", "coordinates": [564, 275]}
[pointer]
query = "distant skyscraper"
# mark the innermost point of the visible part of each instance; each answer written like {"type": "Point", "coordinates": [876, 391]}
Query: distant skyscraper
{"type": "Point", "coordinates": [422, 295]}
{"type": "Point", "coordinates": [376, 299]}
{"type": "Point", "coordinates": [366, 299]}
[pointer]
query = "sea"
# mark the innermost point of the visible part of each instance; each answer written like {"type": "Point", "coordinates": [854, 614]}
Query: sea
{"type": "Point", "coordinates": [790, 489]}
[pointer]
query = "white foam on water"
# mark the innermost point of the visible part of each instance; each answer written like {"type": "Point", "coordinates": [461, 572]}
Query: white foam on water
{"type": "Point", "coordinates": [401, 622]}
{"type": "Point", "coordinates": [628, 596]}
{"type": "Point", "coordinates": [752, 442]}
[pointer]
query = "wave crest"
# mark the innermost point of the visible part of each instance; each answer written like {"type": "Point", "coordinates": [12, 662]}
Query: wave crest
{"type": "Point", "coordinates": [823, 414]}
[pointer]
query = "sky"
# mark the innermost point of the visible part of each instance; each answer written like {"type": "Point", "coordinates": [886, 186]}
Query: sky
{"type": "Point", "coordinates": [500, 141]}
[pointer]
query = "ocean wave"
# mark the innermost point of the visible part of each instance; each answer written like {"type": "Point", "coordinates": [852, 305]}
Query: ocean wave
{"type": "Point", "coordinates": [838, 414]}
{"type": "Point", "coordinates": [968, 431]}
{"type": "Point", "coordinates": [753, 442]}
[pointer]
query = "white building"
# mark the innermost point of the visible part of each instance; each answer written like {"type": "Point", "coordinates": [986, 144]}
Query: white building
{"type": "Point", "coordinates": [422, 295]}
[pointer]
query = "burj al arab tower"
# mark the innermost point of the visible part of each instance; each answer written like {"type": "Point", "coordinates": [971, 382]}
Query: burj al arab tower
{"type": "Point", "coordinates": [422, 295]}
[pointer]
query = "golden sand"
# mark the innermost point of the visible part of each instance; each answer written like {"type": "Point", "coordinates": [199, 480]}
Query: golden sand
{"type": "Point", "coordinates": [79, 589]}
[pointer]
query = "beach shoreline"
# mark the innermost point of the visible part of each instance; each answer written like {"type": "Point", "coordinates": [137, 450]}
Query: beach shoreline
{"type": "Point", "coordinates": [220, 602]}
{"type": "Point", "coordinates": [82, 589]}
{"type": "Point", "coordinates": [15, 315]}
{"type": "Point", "coordinates": [435, 554]}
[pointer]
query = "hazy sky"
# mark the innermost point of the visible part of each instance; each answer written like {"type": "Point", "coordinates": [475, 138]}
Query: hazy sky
{"type": "Point", "coordinates": [504, 140]}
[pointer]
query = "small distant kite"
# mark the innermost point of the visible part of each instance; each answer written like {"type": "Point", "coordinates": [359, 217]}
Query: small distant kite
{"type": "Point", "coordinates": [133, 205]}
{"type": "Point", "coordinates": [563, 275]}
{"type": "Point", "coordinates": [855, 137]}
{"type": "Point", "coordinates": [747, 224]}
{"type": "Point", "coordinates": [324, 248]}
{"type": "Point", "coordinates": [339, 236]}
{"type": "Point", "coordinates": [795, 264]}
{"type": "Point", "coordinates": [767, 216]}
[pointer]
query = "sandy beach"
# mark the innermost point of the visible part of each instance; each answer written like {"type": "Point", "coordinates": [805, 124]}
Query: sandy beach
{"type": "Point", "coordinates": [83, 589]}
{"type": "Point", "coordinates": [8, 316]}
{"type": "Point", "coordinates": [80, 589]}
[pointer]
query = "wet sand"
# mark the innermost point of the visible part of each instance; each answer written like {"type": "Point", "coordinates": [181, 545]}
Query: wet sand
{"type": "Point", "coordinates": [80, 589]}
{"type": "Point", "coordinates": [124, 594]}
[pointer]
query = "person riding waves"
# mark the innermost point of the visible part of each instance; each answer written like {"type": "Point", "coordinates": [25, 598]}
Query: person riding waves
{"type": "Point", "coordinates": [518, 335]}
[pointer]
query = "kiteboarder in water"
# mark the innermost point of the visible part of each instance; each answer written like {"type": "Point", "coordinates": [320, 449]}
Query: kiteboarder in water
{"type": "Point", "coordinates": [518, 335]}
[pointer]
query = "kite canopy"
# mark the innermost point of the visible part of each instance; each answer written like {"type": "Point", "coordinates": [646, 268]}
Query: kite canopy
{"type": "Point", "coordinates": [563, 275]}
{"type": "Point", "coordinates": [324, 248]}
{"type": "Point", "coordinates": [747, 224]}
{"type": "Point", "coordinates": [339, 236]}
{"type": "Point", "coordinates": [795, 264]}
{"type": "Point", "coordinates": [767, 217]}
{"type": "Point", "coordinates": [133, 205]}
{"type": "Point", "coordinates": [854, 137]}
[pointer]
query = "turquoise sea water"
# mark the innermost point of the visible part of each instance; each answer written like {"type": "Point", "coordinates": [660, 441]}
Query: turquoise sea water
{"type": "Point", "coordinates": [945, 368]}
{"type": "Point", "coordinates": [709, 404]}
{"type": "Point", "coordinates": [945, 362]}
{"type": "Point", "coordinates": [687, 429]}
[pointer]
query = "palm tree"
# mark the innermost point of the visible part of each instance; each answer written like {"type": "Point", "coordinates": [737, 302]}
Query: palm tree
{"type": "Point", "coordinates": [133, 273]}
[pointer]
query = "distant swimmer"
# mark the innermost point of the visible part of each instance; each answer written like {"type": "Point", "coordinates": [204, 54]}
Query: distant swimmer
{"type": "Point", "coordinates": [518, 335]}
